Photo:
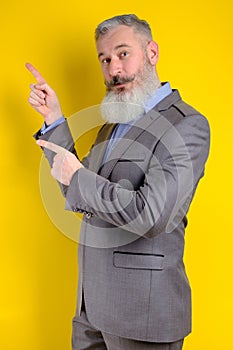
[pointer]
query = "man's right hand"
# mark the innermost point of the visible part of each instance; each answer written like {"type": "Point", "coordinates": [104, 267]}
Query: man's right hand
{"type": "Point", "coordinates": [42, 98]}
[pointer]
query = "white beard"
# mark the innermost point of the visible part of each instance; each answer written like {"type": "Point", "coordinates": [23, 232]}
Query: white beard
{"type": "Point", "coordinates": [129, 105]}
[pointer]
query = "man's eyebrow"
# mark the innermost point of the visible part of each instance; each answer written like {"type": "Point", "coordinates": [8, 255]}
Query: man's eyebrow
{"type": "Point", "coordinates": [121, 45]}
{"type": "Point", "coordinates": [115, 48]}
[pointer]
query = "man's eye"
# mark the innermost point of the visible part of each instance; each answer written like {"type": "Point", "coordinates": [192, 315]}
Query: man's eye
{"type": "Point", "coordinates": [106, 60]}
{"type": "Point", "coordinates": [124, 54]}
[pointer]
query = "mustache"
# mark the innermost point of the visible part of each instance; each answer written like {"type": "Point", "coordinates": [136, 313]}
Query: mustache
{"type": "Point", "coordinates": [117, 80]}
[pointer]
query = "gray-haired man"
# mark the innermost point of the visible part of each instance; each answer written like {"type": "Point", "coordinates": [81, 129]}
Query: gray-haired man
{"type": "Point", "coordinates": [134, 189]}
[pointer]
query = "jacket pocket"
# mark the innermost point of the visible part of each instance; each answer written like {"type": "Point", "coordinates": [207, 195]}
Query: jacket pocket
{"type": "Point", "coordinates": [132, 157]}
{"type": "Point", "coordinates": [138, 261]}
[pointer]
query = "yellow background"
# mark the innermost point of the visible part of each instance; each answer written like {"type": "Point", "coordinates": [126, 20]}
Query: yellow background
{"type": "Point", "coordinates": [38, 269]}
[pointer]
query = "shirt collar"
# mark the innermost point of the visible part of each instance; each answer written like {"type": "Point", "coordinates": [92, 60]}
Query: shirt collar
{"type": "Point", "coordinates": [158, 96]}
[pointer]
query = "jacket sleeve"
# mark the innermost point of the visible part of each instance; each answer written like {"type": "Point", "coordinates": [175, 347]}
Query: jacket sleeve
{"type": "Point", "coordinates": [61, 136]}
{"type": "Point", "coordinates": [162, 200]}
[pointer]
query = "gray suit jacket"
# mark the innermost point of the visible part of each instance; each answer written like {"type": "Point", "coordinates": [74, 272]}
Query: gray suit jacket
{"type": "Point", "coordinates": [131, 268]}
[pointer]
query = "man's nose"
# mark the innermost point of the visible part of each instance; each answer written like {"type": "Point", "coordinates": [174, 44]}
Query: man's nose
{"type": "Point", "coordinates": [115, 67]}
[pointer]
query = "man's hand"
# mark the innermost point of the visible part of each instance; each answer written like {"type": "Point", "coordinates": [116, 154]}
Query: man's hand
{"type": "Point", "coordinates": [42, 98]}
{"type": "Point", "coordinates": [65, 164]}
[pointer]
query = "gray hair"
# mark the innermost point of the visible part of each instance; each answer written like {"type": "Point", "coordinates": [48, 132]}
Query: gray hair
{"type": "Point", "coordinates": [139, 25]}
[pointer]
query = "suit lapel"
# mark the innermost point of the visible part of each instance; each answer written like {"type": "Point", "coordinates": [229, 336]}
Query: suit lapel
{"type": "Point", "coordinates": [131, 136]}
{"type": "Point", "coordinates": [138, 128]}
{"type": "Point", "coordinates": [100, 146]}
{"type": "Point", "coordinates": [168, 101]}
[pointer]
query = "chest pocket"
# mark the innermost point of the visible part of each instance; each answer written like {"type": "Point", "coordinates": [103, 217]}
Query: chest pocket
{"type": "Point", "coordinates": [129, 170]}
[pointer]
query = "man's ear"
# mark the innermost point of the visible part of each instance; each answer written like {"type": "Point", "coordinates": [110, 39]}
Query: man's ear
{"type": "Point", "coordinates": [153, 52]}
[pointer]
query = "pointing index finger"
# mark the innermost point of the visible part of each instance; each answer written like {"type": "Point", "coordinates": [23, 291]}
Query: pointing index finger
{"type": "Point", "coordinates": [51, 146]}
{"type": "Point", "coordinates": [35, 73]}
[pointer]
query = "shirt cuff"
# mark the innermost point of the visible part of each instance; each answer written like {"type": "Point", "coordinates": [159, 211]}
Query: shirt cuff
{"type": "Point", "coordinates": [46, 128]}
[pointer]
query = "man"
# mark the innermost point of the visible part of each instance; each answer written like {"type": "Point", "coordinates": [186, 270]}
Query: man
{"type": "Point", "coordinates": [134, 189]}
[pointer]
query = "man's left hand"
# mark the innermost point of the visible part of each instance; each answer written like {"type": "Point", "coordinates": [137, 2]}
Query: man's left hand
{"type": "Point", "coordinates": [65, 164]}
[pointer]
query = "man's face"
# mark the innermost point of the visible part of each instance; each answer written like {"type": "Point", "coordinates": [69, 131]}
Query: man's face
{"type": "Point", "coordinates": [122, 58]}
{"type": "Point", "coordinates": [127, 60]}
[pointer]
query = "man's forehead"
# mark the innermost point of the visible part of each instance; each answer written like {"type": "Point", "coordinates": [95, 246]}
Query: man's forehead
{"type": "Point", "coordinates": [122, 36]}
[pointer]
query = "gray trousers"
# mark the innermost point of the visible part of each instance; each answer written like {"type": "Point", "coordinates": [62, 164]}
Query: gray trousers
{"type": "Point", "coordinates": [86, 337]}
